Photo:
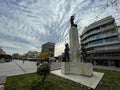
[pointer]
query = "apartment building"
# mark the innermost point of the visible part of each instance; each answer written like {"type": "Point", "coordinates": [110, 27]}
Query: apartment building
{"type": "Point", "coordinates": [49, 47]}
{"type": "Point", "coordinates": [101, 41]}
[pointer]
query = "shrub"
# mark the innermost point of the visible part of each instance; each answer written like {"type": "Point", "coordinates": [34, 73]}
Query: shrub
{"type": "Point", "coordinates": [43, 70]}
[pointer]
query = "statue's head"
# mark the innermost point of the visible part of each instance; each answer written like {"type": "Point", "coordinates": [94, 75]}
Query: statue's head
{"type": "Point", "coordinates": [66, 45]}
{"type": "Point", "coordinates": [72, 17]}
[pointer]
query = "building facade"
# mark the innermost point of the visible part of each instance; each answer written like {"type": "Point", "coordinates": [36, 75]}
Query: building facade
{"type": "Point", "coordinates": [4, 57]}
{"type": "Point", "coordinates": [49, 48]}
{"type": "Point", "coordinates": [2, 51]}
{"type": "Point", "coordinates": [102, 42]}
{"type": "Point", "coordinates": [31, 54]}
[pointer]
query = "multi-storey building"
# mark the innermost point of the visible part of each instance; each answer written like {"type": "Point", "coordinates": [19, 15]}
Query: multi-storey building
{"type": "Point", "coordinates": [102, 42]}
{"type": "Point", "coordinates": [2, 51]}
{"type": "Point", "coordinates": [49, 48]}
{"type": "Point", "coordinates": [4, 57]}
{"type": "Point", "coordinates": [32, 54]}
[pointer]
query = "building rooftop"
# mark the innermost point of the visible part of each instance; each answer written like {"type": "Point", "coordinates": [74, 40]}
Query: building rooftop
{"type": "Point", "coordinates": [48, 43]}
{"type": "Point", "coordinates": [97, 22]}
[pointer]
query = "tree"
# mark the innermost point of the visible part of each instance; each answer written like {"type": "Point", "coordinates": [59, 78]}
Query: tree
{"type": "Point", "coordinates": [44, 55]}
{"type": "Point", "coordinates": [66, 53]}
{"type": "Point", "coordinates": [15, 56]}
{"type": "Point", "coordinates": [84, 54]}
{"type": "Point", "coordinates": [43, 70]}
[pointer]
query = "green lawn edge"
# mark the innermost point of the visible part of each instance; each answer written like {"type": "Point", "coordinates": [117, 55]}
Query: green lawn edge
{"type": "Point", "coordinates": [110, 81]}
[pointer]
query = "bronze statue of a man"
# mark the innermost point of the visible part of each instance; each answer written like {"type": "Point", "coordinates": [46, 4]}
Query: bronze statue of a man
{"type": "Point", "coordinates": [66, 53]}
{"type": "Point", "coordinates": [72, 21]}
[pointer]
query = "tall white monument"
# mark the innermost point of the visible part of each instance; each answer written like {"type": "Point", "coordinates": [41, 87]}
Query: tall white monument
{"type": "Point", "coordinates": [73, 69]}
{"type": "Point", "coordinates": [75, 66]}
{"type": "Point", "coordinates": [74, 45]}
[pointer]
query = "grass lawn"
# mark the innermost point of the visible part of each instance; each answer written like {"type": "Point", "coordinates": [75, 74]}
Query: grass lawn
{"type": "Point", "coordinates": [110, 81]}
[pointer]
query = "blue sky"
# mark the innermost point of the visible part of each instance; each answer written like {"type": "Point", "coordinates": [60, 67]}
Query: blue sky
{"type": "Point", "coordinates": [27, 24]}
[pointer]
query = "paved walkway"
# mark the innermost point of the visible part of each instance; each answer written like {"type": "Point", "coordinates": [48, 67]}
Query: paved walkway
{"type": "Point", "coordinates": [17, 67]}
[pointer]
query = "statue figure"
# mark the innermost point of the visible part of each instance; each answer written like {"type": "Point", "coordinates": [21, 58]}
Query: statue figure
{"type": "Point", "coordinates": [66, 53]}
{"type": "Point", "coordinates": [72, 21]}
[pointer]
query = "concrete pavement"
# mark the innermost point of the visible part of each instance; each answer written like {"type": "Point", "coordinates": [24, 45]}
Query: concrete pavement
{"type": "Point", "coordinates": [17, 67]}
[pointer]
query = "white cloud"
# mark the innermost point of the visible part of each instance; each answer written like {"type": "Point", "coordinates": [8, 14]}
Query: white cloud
{"type": "Point", "coordinates": [35, 22]}
{"type": "Point", "coordinates": [59, 49]}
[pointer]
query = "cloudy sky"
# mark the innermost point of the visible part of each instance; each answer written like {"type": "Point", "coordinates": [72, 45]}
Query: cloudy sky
{"type": "Point", "coordinates": [27, 24]}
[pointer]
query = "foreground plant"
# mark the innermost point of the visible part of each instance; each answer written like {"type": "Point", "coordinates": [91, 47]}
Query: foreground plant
{"type": "Point", "coordinates": [43, 70]}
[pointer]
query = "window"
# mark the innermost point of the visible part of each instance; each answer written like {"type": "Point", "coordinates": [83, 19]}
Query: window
{"type": "Point", "coordinates": [111, 39]}
{"type": "Point", "coordinates": [113, 47]}
{"type": "Point", "coordinates": [96, 42]}
{"type": "Point", "coordinates": [96, 36]}
{"type": "Point", "coordinates": [109, 32]}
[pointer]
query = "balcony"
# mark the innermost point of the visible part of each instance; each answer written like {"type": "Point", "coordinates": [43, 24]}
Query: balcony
{"type": "Point", "coordinates": [91, 33]}
{"type": "Point", "coordinates": [106, 57]}
{"type": "Point", "coordinates": [108, 27]}
{"type": "Point", "coordinates": [103, 44]}
{"type": "Point", "coordinates": [102, 37]}
{"type": "Point", "coordinates": [97, 24]}
{"type": "Point", "coordinates": [98, 31]}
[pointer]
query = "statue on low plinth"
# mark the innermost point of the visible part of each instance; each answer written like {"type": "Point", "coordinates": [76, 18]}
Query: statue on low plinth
{"type": "Point", "coordinates": [66, 53]}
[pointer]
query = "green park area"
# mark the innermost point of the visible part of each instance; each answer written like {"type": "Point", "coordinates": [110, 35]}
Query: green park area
{"type": "Point", "coordinates": [110, 81]}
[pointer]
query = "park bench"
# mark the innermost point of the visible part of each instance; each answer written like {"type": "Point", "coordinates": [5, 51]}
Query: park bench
{"type": "Point", "coordinates": [2, 81]}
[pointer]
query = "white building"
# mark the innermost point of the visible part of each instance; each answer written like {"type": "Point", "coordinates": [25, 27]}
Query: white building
{"type": "Point", "coordinates": [102, 41]}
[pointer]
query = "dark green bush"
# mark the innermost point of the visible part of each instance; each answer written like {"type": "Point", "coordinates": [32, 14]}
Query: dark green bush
{"type": "Point", "coordinates": [43, 70]}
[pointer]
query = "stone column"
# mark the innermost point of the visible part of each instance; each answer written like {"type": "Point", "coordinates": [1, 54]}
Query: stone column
{"type": "Point", "coordinates": [74, 45]}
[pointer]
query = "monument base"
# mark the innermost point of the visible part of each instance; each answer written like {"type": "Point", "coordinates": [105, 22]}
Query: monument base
{"type": "Point", "coordinates": [77, 68]}
{"type": "Point", "coordinates": [90, 82]}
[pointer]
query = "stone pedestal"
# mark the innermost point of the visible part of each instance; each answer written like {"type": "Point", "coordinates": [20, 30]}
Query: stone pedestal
{"type": "Point", "coordinates": [76, 68]}
{"type": "Point", "coordinates": [74, 45]}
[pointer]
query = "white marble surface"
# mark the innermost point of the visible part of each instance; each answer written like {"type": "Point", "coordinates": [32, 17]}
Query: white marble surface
{"type": "Point", "coordinates": [91, 82]}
